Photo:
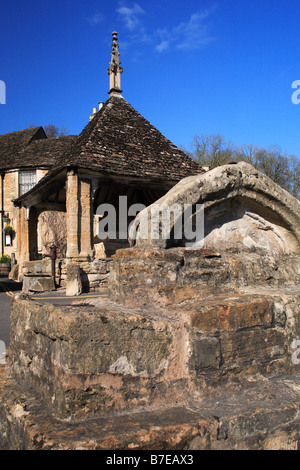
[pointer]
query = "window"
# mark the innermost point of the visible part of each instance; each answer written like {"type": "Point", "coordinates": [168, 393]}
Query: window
{"type": "Point", "coordinates": [27, 179]}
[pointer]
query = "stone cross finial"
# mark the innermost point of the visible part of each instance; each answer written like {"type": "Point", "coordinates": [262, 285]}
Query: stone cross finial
{"type": "Point", "coordinates": [114, 71]}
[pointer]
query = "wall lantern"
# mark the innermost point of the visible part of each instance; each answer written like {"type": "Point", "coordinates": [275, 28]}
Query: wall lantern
{"type": "Point", "coordinates": [8, 234]}
{"type": "Point", "coordinates": [8, 240]}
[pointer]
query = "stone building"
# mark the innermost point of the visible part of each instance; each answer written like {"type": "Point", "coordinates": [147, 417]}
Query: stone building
{"type": "Point", "coordinates": [25, 157]}
{"type": "Point", "coordinates": [118, 153]}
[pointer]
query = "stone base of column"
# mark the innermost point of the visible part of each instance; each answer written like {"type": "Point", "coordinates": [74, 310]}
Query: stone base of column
{"type": "Point", "coordinates": [82, 257]}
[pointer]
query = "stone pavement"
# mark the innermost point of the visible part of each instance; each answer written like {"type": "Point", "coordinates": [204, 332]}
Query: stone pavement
{"type": "Point", "coordinates": [59, 297]}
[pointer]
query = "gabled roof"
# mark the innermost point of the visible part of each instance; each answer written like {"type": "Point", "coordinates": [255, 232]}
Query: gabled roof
{"type": "Point", "coordinates": [46, 152]}
{"type": "Point", "coordinates": [14, 143]}
{"type": "Point", "coordinates": [30, 148]}
{"type": "Point", "coordinates": [119, 141]}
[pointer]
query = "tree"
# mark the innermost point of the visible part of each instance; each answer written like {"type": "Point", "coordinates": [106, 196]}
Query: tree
{"type": "Point", "coordinates": [53, 131]}
{"type": "Point", "coordinates": [294, 176]}
{"type": "Point", "coordinates": [283, 169]}
{"type": "Point", "coordinates": [63, 130]}
{"type": "Point", "coordinates": [212, 150]}
{"type": "Point", "coordinates": [273, 162]}
{"type": "Point", "coordinates": [251, 154]}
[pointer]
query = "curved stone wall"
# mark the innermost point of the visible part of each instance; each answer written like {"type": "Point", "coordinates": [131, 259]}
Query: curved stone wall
{"type": "Point", "coordinates": [243, 208]}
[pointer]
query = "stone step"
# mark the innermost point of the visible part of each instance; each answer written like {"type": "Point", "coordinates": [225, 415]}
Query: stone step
{"type": "Point", "coordinates": [261, 415]}
{"type": "Point", "coordinates": [120, 357]}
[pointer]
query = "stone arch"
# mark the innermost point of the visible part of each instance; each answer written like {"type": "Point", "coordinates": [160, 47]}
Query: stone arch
{"type": "Point", "coordinates": [243, 208]}
{"type": "Point", "coordinates": [242, 222]}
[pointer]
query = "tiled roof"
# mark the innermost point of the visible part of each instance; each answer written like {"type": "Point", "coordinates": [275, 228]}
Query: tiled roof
{"type": "Point", "coordinates": [46, 152]}
{"type": "Point", "coordinates": [31, 148]}
{"type": "Point", "coordinates": [119, 141]}
{"type": "Point", "coordinates": [12, 144]}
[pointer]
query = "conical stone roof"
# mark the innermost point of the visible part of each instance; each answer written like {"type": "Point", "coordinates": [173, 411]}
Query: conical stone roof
{"type": "Point", "coordinates": [119, 141]}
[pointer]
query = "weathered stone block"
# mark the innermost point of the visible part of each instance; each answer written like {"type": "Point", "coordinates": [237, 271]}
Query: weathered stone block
{"type": "Point", "coordinates": [259, 345]}
{"type": "Point", "coordinates": [38, 283]}
{"type": "Point", "coordinates": [260, 416]}
{"type": "Point", "coordinates": [37, 267]}
{"type": "Point", "coordinates": [230, 313]}
{"type": "Point", "coordinates": [279, 314]}
{"type": "Point", "coordinates": [74, 283]}
{"type": "Point", "coordinates": [90, 359]}
{"type": "Point", "coordinates": [205, 272]}
{"type": "Point", "coordinates": [14, 273]}
{"type": "Point", "coordinates": [206, 353]}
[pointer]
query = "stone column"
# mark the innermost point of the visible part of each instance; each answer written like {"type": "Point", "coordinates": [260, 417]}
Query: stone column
{"type": "Point", "coordinates": [23, 236]}
{"type": "Point", "coordinates": [27, 235]}
{"type": "Point", "coordinates": [86, 219]}
{"type": "Point", "coordinates": [72, 207]}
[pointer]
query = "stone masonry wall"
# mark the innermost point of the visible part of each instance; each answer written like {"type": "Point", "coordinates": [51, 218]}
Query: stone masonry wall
{"type": "Point", "coordinates": [94, 274]}
{"type": "Point", "coordinates": [166, 343]}
{"type": "Point", "coordinates": [242, 308]}
{"type": "Point", "coordinates": [11, 192]}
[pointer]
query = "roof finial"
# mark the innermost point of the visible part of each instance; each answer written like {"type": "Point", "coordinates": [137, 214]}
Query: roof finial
{"type": "Point", "coordinates": [115, 70]}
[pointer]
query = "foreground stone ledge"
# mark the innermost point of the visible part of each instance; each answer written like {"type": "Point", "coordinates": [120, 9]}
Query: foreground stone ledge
{"type": "Point", "coordinates": [100, 356]}
{"type": "Point", "coordinates": [188, 352]}
{"type": "Point", "coordinates": [260, 416]}
{"type": "Point", "coordinates": [84, 359]}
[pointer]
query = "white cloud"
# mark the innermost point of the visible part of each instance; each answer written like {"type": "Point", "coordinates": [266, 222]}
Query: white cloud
{"type": "Point", "coordinates": [192, 34]}
{"type": "Point", "coordinates": [131, 16]}
{"type": "Point", "coordinates": [162, 46]}
{"type": "Point", "coordinates": [95, 19]}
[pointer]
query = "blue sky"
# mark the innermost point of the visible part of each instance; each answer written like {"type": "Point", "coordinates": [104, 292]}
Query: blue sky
{"type": "Point", "coordinates": [196, 67]}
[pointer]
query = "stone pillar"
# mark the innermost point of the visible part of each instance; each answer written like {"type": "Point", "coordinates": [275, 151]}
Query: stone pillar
{"type": "Point", "coordinates": [23, 236]}
{"type": "Point", "coordinates": [86, 219]}
{"type": "Point", "coordinates": [72, 207]}
{"type": "Point", "coordinates": [79, 217]}
{"type": "Point", "coordinates": [27, 235]}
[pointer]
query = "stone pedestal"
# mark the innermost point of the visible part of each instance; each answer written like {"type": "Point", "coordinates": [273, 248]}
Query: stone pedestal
{"type": "Point", "coordinates": [203, 358]}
